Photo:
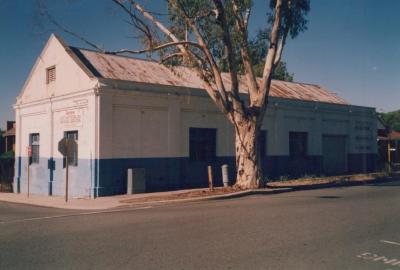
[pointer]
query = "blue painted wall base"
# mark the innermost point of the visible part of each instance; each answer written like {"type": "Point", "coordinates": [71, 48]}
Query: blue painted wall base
{"type": "Point", "coordinates": [93, 178]}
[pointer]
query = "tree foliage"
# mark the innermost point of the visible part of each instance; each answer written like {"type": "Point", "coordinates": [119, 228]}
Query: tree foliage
{"type": "Point", "coordinates": [258, 46]}
{"type": "Point", "coordinates": [392, 119]}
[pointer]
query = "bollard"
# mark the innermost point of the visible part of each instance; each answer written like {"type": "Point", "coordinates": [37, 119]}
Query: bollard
{"type": "Point", "coordinates": [210, 178]}
{"type": "Point", "coordinates": [136, 181]}
{"type": "Point", "coordinates": [225, 176]}
{"type": "Point", "coordinates": [129, 184]}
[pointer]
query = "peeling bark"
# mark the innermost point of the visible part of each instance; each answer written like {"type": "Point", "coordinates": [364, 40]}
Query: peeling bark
{"type": "Point", "coordinates": [248, 167]}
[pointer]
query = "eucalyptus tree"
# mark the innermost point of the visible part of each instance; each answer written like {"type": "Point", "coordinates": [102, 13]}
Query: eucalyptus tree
{"type": "Point", "coordinates": [212, 38]}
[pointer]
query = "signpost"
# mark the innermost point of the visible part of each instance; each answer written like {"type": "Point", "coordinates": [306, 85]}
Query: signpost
{"type": "Point", "coordinates": [67, 147]}
{"type": "Point", "coordinates": [29, 152]}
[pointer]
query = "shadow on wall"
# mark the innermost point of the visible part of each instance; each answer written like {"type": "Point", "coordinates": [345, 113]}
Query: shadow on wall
{"type": "Point", "coordinates": [182, 173]}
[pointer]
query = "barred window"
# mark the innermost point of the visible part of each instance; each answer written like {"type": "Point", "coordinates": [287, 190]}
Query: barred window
{"type": "Point", "coordinates": [34, 142]}
{"type": "Point", "coordinates": [50, 74]}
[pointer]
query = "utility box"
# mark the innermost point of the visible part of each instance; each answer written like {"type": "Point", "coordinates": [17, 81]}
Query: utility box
{"type": "Point", "coordinates": [136, 181]}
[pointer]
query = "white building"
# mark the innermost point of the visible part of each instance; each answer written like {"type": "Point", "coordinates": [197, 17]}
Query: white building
{"type": "Point", "coordinates": [132, 113]}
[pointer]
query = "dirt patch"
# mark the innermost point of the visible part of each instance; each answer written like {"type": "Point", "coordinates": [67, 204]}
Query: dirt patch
{"type": "Point", "coordinates": [302, 182]}
{"type": "Point", "coordinates": [184, 195]}
{"type": "Point", "coordinates": [327, 180]}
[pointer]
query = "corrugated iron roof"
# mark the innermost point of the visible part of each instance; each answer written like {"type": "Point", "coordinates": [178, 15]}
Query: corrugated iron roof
{"type": "Point", "coordinates": [145, 71]}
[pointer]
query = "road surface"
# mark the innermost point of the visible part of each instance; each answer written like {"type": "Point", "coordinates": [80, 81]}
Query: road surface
{"type": "Point", "coordinates": [336, 228]}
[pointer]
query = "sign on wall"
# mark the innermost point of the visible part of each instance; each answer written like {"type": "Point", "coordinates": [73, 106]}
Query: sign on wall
{"type": "Point", "coordinates": [71, 118]}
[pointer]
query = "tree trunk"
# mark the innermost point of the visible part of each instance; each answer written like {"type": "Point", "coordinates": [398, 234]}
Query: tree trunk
{"type": "Point", "coordinates": [248, 167]}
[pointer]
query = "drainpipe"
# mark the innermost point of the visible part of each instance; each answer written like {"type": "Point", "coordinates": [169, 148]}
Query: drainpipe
{"type": "Point", "coordinates": [51, 165]}
{"type": "Point", "coordinates": [97, 150]}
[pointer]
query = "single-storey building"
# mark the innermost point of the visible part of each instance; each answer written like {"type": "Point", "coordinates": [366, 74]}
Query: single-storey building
{"type": "Point", "coordinates": [134, 113]}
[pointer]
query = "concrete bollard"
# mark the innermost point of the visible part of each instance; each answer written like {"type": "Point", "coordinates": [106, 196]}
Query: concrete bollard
{"type": "Point", "coordinates": [210, 178]}
{"type": "Point", "coordinates": [129, 184]}
{"type": "Point", "coordinates": [136, 181]}
{"type": "Point", "coordinates": [225, 175]}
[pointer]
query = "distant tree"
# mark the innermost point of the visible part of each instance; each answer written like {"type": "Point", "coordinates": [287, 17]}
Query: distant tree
{"type": "Point", "coordinates": [2, 142]}
{"type": "Point", "coordinates": [392, 119]}
{"type": "Point", "coordinates": [211, 37]}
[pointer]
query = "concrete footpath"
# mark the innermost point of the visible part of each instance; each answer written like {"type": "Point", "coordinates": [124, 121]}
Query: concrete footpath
{"type": "Point", "coordinates": [188, 195]}
{"type": "Point", "coordinates": [120, 201]}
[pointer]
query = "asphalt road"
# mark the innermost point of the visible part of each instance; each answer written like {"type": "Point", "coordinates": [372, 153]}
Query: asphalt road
{"type": "Point", "coordinates": [337, 228]}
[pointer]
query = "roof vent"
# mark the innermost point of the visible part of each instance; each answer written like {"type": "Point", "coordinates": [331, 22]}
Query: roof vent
{"type": "Point", "coordinates": [50, 74]}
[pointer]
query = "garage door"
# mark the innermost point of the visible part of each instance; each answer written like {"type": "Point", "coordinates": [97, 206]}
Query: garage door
{"type": "Point", "coordinates": [334, 154]}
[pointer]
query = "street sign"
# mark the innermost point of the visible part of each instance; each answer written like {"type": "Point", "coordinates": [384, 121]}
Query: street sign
{"type": "Point", "coordinates": [29, 151]}
{"type": "Point", "coordinates": [67, 147]}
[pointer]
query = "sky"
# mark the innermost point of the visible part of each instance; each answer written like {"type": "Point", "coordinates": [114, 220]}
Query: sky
{"type": "Point", "coordinates": [351, 47]}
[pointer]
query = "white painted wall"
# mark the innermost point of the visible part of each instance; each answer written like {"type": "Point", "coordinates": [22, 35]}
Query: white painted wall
{"type": "Point", "coordinates": [70, 78]}
{"type": "Point", "coordinates": [67, 104]}
{"type": "Point", "coordinates": [143, 124]}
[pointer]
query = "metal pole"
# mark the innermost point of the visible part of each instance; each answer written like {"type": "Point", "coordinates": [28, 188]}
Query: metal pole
{"type": "Point", "coordinates": [389, 159]}
{"type": "Point", "coordinates": [66, 178]}
{"type": "Point", "coordinates": [210, 178]}
{"type": "Point", "coordinates": [29, 162]}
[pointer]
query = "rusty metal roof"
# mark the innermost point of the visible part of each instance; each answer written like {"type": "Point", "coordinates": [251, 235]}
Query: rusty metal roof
{"type": "Point", "coordinates": [145, 71]}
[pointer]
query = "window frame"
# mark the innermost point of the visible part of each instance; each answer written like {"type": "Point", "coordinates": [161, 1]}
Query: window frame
{"type": "Point", "coordinates": [74, 160]}
{"type": "Point", "coordinates": [294, 138]}
{"type": "Point", "coordinates": [35, 147]}
{"type": "Point", "coordinates": [197, 140]}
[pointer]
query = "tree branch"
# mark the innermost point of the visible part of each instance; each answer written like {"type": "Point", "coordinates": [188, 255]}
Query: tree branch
{"type": "Point", "coordinates": [270, 60]}
{"type": "Point", "coordinates": [282, 41]}
{"type": "Point", "coordinates": [228, 47]}
{"type": "Point", "coordinates": [220, 102]}
{"type": "Point", "coordinates": [157, 48]}
{"type": "Point", "coordinates": [214, 67]}
{"type": "Point", "coordinates": [245, 53]}
{"type": "Point", "coordinates": [170, 56]}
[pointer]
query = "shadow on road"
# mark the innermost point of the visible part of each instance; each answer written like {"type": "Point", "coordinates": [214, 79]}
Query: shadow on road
{"type": "Point", "coordinates": [329, 197]}
{"type": "Point", "coordinates": [387, 183]}
{"type": "Point", "coordinates": [381, 182]}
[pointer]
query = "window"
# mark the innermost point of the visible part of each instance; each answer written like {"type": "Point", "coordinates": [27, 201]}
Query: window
{"type": "Point", "coordinates": [34, 143]}
{"type": "Point", "coordinates": [202, 144]}
{"type": "Point", "coordinates": [262, 143]}
{"type": "Point", "coordinates": [50, 74]}
{"type": "Point", "coordinates": [298, 144]}
{"type": "Point", "coordinates": [72, 160]}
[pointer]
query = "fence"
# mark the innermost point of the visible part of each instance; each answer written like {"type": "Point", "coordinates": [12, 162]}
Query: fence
{"type": "Point", "coordinates": [6, 174]}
